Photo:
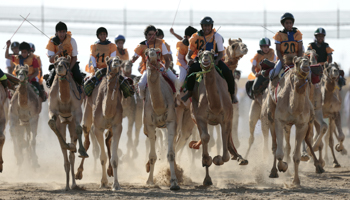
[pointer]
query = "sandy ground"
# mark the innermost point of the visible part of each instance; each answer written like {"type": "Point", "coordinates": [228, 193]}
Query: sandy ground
{"type": "Point", "coordinates": [230, 181]}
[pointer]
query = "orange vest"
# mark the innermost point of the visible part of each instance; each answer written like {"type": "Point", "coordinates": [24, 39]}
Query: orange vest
{"type": "Point", "coordinates": [183, 50]}
{"type": "Point", "coordinates": [40, 75]}
{"type": "Point", "coordinates": [141, 48]}
{"type": "Point", "coordinates": [67, 46]}
{"type": "Point", "coordinates": [28, 61]}
{"type": "Point", "coordinates": [261, 56]}
{"type": "Point", "coordinates": [125, 56]}
{"type": "Point", "coordinates": [289, 45]}
{"type": "Point", "coordinates": [197, 41]}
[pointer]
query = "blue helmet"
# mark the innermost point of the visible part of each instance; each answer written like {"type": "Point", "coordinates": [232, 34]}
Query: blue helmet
{"type": "Point", "coordinates": [119, 37]}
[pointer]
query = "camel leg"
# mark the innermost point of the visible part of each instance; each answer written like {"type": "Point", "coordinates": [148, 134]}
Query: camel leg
{"type": "Point", "coordinates": [129, 143]}
{"type": "Point", "coordinates": [274, 172]}
{"type": "Point", "coordinates": [2, 139]}
{"type": "Point", "coordinates": [138, 124]}
{"type": "Point", "coordinates": [72, 127]}
{"type": "Point", "coordinates": [206, 159]}
{"type": "Point", "coordinates": [340, 137]}
{"type": "Point", "coordinates": [86, 130]}
{"type": "Point", "coordinates": [299, 137]}
{"type": "Point", "coordinates": [218, 139]}
{"type": "Point", "coordinates": [308, 140]}
{"type": "Point", "coordinates": [211, 143]}
{"type": "Point", "coordinates": [282, 166]}
{"type": "Point", "coordinates": [103, 157]}
{"type": "Point", "coordinates": [235, 125]}
{"type": "Point", "coordinates": [254, 116]}
{"type": "Point", "coordinates": [116, 133]}
{"type": "Point", "coordinates": [185, 131]}
{"type": "Point", "coordinates": [226, 131]}
{"type": "Point", "coordinates": [181, 140]}
{"type": "Point", "coordinates": [53, 125]}
{"type": "Point", "coordinates": [95, 149]}
{"type": "Point", "coordinates": [265, 132]}
{"type": "Point", "coordinates": [321, 129]}
{"type": "Point", "coordinates": [195, 137]}
{"type": "Point", "coordinates": [287, 148]}
{"type": "Point", "coordinates": [171, 126]}
{"type": "Point", "coordinates": [61, 128]}
{"type": "Point", "coordinates": [108, 142]}
{"type": "Point", "coordinates": [34, 131]}
{"type": "Point", "coordinates": [152, 158]}
{"type": "Point", "coordinates": [331, 142]}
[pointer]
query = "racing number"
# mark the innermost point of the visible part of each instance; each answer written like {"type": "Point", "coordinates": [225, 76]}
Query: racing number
{"type": "Point", "coordinates": [289, 48]}
{"type": "Point", "coordinates": [103, 57]}
{"type": "Point", "coordinates": [64, 53]}
{"type": "Point", "coordinates": [199, 46]}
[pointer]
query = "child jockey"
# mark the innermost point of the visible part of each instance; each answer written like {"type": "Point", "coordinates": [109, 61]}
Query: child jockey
{"type": "Point", "coordinates": [15, 52]}
{"type": "Point", "coordinates": [122, 53]}
{"type": "Point", "coordinates": [324, 52]}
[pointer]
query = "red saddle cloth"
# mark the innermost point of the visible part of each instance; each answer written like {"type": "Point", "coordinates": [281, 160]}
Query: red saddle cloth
{"type": "Point", "coordinates": [167, 79]}
{"type": "Point", "coordinates": [316, 73]}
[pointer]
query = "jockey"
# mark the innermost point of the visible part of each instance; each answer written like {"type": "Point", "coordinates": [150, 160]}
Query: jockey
{"type": "Point", "coordinates": [288, 41]}
{"type": "Point", "coordinates": [324, 52]}
{"type": "Point", "coordinates": [3, 79]}
{"type": "Point", "coordinates": [212, 40]}
{"type": "Point", "coordinates": [28, 58]}
{"type": "Point", "coordinates": [100, 50]}
{"type": "Point", "coordinates": [15, 50]}
{"type": "Point", "coordinates": [40, 75]}
{"type": "Point", "coordinates": [265, 52]}
{"type": "Point", "coordinates": [121, 51]}
{"type": "Point", "coordinates": [182, 50]}
{"type": "Point", "coordinates": [150, 42]}
{"type": "Point", "coordinates": [160, 35]}
{"type": "Point", "coordinates": [63, 45]}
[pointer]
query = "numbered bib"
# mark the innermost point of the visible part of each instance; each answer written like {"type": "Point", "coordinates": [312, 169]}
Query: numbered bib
{"type": "Point", "coordinates": [100, 52]}
{"type": "Point", "coordinates": [289, 47]}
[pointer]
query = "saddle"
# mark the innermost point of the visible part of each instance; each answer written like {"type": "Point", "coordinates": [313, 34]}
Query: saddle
{"type": "Point", "coordinates": [316, 73]}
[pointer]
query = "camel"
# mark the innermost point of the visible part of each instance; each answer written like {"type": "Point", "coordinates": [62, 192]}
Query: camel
{"type": "Point", "coordinates": [289, 105]}
{"type": "Point", "coordinates": [159, 112]}
{"type": "Point", "coordinates": [25, 107]}
{"type": "Point", "coordinates": [211, 104]}
{"type": "Point", "coordinates": [4, 104]}
{"type": "Point", "coordinates": [104, 111]}
{"type": "Point", "coordinates": [331, 106]}
{"type": "Point", "coordinates": [65, 110]}
{"type": "Point", "coordinates": [129, 111]}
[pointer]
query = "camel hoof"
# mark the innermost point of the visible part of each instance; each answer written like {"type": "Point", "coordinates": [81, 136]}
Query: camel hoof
{"type": "Point", "coordinates": [339, 147]}
{"type": "Point", "coordinates": [305, 157]}
{"type": "Point", "coordinates": [82, 153]}
{"type": "Point", "coordinates": [344, 152]}
{"type": "Point", "coordinates": [174, 185]}
{"type": "Point", "coordinates": [116, 187]}
{"type": "Point", "coordinates": [218, 160]}
{"type": "Point", "coordinates": [273, 173]}
{"type": "Point", "coordinates": [207, 161]}
{"type": "Point", "coordinates": [336, 165]}
{"type": "Point", "coordinates": [242, 161]}
{"type": "Point", "coordinates": [194, 145]}
{"type": "Point", "coordinates": [150, 182]}
{"type": "Point", "coordinates": [1, 168]}
{"type": "Point", "coordinates": [79, 175]}
{"type": "Point", "coordinates": [67, 188]}
{"type": "Point", "coordinates": [296, 184]}
{"type": "Point", "coordinates": [207, 181]}
{"type": "Point", "coordinates": [103, 184]}
{"type": "Point", "coordinates": [148, 167]}
{"type": "Point", "coordinates": [319, 169]}
{"type": "Point", "coordinates": [323, 163]}
{"type": "Point", "coordinates": [110, 172]}
{"type": "Point", "coordinates": [282, 166]}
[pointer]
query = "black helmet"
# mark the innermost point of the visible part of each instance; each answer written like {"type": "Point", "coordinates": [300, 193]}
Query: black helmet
{"type": "Point", "coordinates": [207, 20]}
{"type": "Point", "coordinates": [287, 16]}
{"type": "Point", "coordinates": [101, 30]}
{"type": "Point", "coordinates": [160, 32]}
{"type": "Point", "coordinates": [320, 31]}
{"type": "Point", "coordinates": [32, 47]}
{"type": "Point", "coordinates": [189, 31]}
{"type": "Point", "coordinates": [148, 29]}
{"type": "Point", "coordinates": [14, 44]}
{"type": "Point", "coordinates": [24, 46]}
{"type": "Point", "coordinates": [61, 26]}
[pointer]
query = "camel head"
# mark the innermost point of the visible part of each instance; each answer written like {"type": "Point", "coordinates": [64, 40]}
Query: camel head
{"type": "Point", "coordinates": [136, 81]}
{"type": "Point", "coordinates": [312, 55]}
{"type": "Point", "coordinates": [62, 65]}
{"type": "Point", "coordinates": [301, 66]}
{"type": "Point", "coordinates": [153, 55]}
{"type": "Point", "coordinates": [237, 74]}
{"type": "Point", "coordinates": [127, 68]}
{"type": "Point", "coordinates": [206, 59]}
{"type": "Point", "coordinates": [22, 72]}
{"type": "Point", "coordinates": [236, 48]}
{"type": "Point", "coordinates": [331, 70]}
{"type": "Point", "coordinates": [114, 65]}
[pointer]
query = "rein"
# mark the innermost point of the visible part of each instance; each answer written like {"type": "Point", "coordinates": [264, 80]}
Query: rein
{"type": "Point", "coordinates": [211, 65]}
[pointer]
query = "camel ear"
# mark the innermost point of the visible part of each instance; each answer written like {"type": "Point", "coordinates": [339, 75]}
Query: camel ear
{"type": "Point", "coordinates": [229, 41]}
{"type": "Point", "coordinates": [240, 39]}
{"type": "Point", "coordinates": [212, 51]}
{"type": "Point", "coordinates": [200, 52]}
{"type": "Point", "coordinates": [336, 65]}
{"type": "Point", "coordinates": [17, 67]}
{"type": "Point", "coordinates": [295, 59]}
{"type": "Point", "coordinates": [325, 65]}
{"type": "Point", "coordinates": [56, 58]}
{"type": "Point", "coordinates": [69, 58]}
{"type": "Point", "coordinates": [106, 59]}
{"type": "Point", "coordinates": [26, 67]}
{"type": "Point", "coordinates": [146, 52]}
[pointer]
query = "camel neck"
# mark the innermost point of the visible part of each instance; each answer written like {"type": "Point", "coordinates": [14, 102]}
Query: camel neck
{"type": "Point", "coordinates": [110, 100]}
{"type": "Point", "coordinates": [23, 95]}
{"type": "Point", "coordinates": [298, 95]}
{"type": "Point", "coordinates": [64, 90]}
{"type": "Point", "coordinates": [154, 87]}
{"type": "Point", "coordinates": [214, 101]}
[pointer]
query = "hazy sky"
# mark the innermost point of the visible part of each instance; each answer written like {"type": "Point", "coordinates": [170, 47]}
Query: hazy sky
{"type": "Point", "coordinates": [233, 5]}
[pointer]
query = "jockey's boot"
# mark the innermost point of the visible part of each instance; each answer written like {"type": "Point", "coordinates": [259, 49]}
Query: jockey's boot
{"type": "Point", "coordinates": [234, 99]}
{"type": "Point", "coordinates": [4, 83]}
{"type": "Point", "coordinates": [188, 95]}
